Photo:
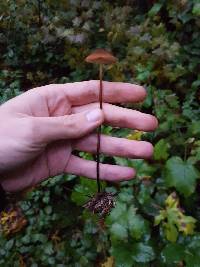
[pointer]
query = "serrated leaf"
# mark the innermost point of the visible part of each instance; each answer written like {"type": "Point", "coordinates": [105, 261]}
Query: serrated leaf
{"type": "Point", "coordinates": [118, 213]}
{"type": "Point", "coordinates": [173, 253]}
{"type": "Point", "coordinates": [122, 255]}
{"type": "Point", "coordinates": [136, 224]}
{"type": "Point", "coordinates": [84, 190]}
{"type": "Point", "coordinates": [161, 150]}
{"type": "Point", "coordinates": [192, 257]}
{"type": "Point", "coordinates": [118, 231]}
{"type": "Point", "coordinates": [181, 175]}
{"type": "Point", "coordinates": [126, 195]}
{"type": "Point", "coordinates": [142, 253]}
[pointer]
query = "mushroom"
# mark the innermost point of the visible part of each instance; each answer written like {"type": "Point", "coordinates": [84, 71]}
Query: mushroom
{"type": "Point", "coordinates": [102, 202]}
{"type": "Point", "coordinates": [100, 56]}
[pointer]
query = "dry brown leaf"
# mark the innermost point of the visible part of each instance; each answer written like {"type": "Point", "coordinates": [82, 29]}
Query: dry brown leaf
{"type": "Point", "coordinates": [12, 221]}
{"type": "Point", "coordinates": [109, 262]}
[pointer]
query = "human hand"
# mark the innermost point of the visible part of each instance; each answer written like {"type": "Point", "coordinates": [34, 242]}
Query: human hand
{"type": "Point", "coordinates": [41, 128]}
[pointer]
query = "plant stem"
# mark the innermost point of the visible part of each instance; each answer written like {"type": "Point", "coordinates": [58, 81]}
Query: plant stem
{"type": "Point", "coordinates": [99, 128]}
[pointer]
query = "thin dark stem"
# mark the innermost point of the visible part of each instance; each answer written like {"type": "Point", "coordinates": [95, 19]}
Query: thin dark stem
{"type": "Point", "coordinates": [101, 86]}
{"type": "Point", "coordinates": [99, 128]}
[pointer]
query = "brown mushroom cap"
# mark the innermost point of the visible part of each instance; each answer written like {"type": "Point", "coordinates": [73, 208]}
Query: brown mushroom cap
{"type": "Point", "coordinates": [101, 56]}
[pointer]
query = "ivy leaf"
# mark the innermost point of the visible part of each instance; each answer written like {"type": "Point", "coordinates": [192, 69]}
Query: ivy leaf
{"type": "Point", "coordinates": [182, 175]}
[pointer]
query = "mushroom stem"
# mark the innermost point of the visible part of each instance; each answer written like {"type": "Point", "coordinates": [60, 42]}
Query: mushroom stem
{"type": "Point", "coordinates": [101, 85]}
{"type": "Point", "coordinates": [100, 56]}
{"type": "Point", "coordinates": [99, 128]}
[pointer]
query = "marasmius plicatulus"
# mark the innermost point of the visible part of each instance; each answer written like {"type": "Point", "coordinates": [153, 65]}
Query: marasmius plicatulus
{"type": "Point", "coordinates": [102, 202]}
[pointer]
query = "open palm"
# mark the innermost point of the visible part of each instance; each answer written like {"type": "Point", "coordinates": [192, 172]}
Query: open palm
{"type": "Point", "coordinates": [42, 127]}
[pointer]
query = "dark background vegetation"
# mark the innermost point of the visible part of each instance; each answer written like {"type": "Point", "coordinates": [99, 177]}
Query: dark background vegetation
{"type": "Point", "coordinates": [156, 219]}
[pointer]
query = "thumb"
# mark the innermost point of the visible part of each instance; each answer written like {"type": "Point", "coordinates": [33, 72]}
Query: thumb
{"type": "Point", "coordinates": [68, 126]}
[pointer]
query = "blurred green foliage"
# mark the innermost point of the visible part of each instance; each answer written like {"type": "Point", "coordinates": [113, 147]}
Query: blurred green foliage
{"type": "Point", "coordinates": [158, 46]}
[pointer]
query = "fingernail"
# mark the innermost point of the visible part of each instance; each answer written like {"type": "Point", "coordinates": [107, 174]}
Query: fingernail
{"type": "Point", "coordinates": [94, 115]}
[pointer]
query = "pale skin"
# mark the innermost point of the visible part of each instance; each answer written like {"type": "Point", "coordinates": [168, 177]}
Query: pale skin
{"type": "Point", "coordinates": [42, 127]}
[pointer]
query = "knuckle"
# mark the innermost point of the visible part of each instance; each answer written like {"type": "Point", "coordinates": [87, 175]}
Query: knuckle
{"type": "Point", "coordinates": [73, 126]}
{"type": "Point", "coordinates": [70, 122]}
{"type": "Point", "coordinates": [30, 130]}
{"type": "Point", "coordinates": [92, 86]}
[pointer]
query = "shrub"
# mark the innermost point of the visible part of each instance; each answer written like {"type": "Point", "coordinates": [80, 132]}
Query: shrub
{"type": "Point", "coordinates": [155, 222]}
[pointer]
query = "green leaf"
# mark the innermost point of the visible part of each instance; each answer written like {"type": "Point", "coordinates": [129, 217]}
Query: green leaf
{"type": "Point", "coordinates": [48, 210]}
{"type": "Point", "coordinates": [161, 150]}
{"type": "Point", "coordinates": [181, 175]}
{"type": "Point", "coordinates": [192, 257]}
{"type": "Point", "coordinates": [136, 224]}
{"type": "Point", "coordinates": [119, 231]}
{"type": "Point", "coordinates": [196, 9]}
{"type": "Point", "coordinates": [119, 214]}
{"type": "Point", "coordinates": [171, 232]}
{"type": "Point", "coordinates": [9, 244]}
{"type": "Point", "coordinates": [39, 237]}
{"type": "Point", "coordinates": [122, 255]}
{"type": "Point", "coordinates": [173, 253]}
{"type": "Point", "coordinates": [83, 191]}
{"type": "Point", "coordinates": [155, 9]}
{"type": "Point", "coordinates": [142, 253]}
{"type": "Point", "coordinates": [48, 249]}
{"type": "Point", "coordinates": [192, 260]}
{"type": "Point", "coordinates": [126, 195]}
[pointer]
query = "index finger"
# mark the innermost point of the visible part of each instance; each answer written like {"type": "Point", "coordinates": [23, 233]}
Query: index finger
{"type": "Point", "coordinates": [80, 93]}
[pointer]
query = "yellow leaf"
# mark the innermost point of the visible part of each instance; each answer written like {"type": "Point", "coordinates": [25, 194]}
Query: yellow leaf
{"type": "Point", "coordinates": [172, 201]}
{"type": "Point", "coordinates": [160, 217]}
{"type": "Point", "coordinates": [136, 135]}
{"type": "Point", "coordinates": [171, 232]}
{"type": "Point", "coordinates": [109, 262]}
{"type": "Point", "coordinates": [187, 225]}
{"type": "Point", "coordinates": [12, 221]}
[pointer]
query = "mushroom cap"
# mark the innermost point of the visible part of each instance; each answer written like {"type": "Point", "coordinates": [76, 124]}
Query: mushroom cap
{"type": "Point", "coordinates": [101, 56]}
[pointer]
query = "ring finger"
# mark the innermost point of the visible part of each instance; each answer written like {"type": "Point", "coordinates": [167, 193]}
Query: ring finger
{"type": "Point", "coordinates": [114, 146]}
